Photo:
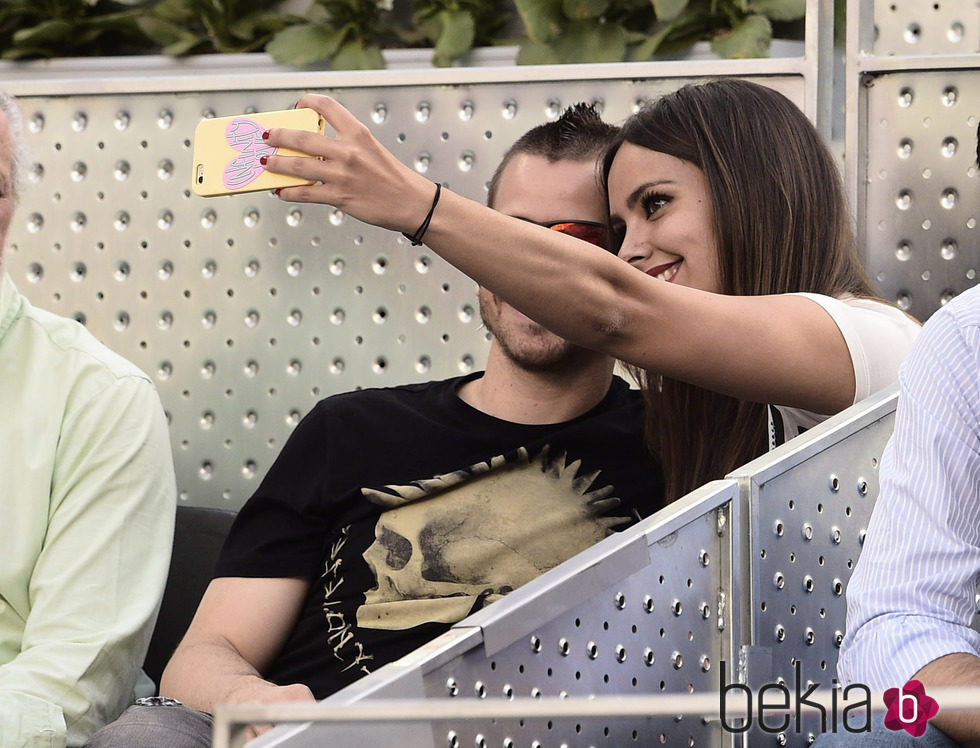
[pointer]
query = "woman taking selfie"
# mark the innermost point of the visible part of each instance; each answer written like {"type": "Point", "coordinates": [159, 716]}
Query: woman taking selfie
{"type": "Point", "coordinates": [742, 300]}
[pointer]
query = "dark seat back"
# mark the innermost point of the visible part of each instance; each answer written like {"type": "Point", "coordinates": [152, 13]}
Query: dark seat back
{"type": "Point", "coordinates": [198, 536]}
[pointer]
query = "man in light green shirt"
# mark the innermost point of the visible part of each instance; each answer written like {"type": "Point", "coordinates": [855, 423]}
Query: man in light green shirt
{"type": "Point", "coordinates": [87, 499]}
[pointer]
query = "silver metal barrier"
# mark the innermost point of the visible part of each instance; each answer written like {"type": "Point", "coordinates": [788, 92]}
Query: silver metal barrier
{"type": "Point", "coordinates": [246, 310]}
{"type": "Point", "coordinates": [741, 581]}
{"type": "Point", "coordinates": [911, 120]}
{"type": "Point", "coordinates": [645, 611]}
{"type": "Point", "coordinates": [408, 711]}
{"type": "Point", "coordinates": [807, 506]}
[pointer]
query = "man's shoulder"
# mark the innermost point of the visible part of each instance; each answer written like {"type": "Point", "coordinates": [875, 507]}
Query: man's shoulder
{"type": "Point", "coordinates": [964, 310]}
{"type": "Point", "coordinates": [67, 345]}
{"type": "Point", "coordinates": [953, 331]}
{"type": "Point", "coordinates": [411, 395]}
{"type": "Point", "coordinates": [620, 394]}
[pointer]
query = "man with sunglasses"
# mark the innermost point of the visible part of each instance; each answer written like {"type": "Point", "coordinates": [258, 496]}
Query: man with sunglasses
{"type": "Point", "coordinates": [392, 514]}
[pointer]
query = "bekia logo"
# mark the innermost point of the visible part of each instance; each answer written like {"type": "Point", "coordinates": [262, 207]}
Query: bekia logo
{"type": "Point", "coordinates": [784, 710]}
{"type": "Point", "coordinates": [909, 708]}
{"type": "Point", "coordinates": [778, 709]}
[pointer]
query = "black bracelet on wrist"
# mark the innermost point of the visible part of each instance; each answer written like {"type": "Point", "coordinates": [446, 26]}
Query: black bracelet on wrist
{"type": "Point", "coordinates": [416, 238]}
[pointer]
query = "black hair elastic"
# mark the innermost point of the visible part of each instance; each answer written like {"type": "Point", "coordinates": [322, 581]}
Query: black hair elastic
{"type": "Point", "coordinates": [416, 238]}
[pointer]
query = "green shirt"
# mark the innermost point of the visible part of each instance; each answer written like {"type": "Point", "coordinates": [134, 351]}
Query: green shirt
{"type": "Point", "coordinates": [87, 498]}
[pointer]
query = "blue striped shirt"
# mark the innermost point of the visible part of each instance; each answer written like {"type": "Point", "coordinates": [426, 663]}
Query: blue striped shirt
{"type": "Point", "coordinates": [913, 593]}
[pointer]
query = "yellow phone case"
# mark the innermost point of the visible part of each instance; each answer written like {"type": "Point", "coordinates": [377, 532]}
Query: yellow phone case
{"type": "Point", "coordinates": [227, 151]}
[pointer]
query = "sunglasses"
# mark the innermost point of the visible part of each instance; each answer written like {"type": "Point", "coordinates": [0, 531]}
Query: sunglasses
{"type": "Point", "coordinates": [589, 231]}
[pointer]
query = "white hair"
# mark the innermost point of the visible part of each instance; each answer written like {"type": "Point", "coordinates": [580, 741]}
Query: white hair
{"type": "Point", "coordinates": [20, 157]}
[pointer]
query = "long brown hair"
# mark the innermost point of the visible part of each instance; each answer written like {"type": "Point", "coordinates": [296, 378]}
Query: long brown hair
{"type": "Point", "coordinates": [781, 225]}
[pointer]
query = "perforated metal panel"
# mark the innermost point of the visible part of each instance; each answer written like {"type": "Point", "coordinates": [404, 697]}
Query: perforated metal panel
{"type": "Point", "coordinates": [914, 27]}
{"type": "Point", "coordinates": [808, 506]}
{"type": "Point", "coordinates": [911, 121]}
{"type": "Point", "coordinates": [659, 630]}
{"type": "Point", "coordinates": [246, 310]}
{"type": "Point", "coordinates": [645, 611]}
{"type": "Point", "coordinates": [750, 570]}
{"type": "Point", "coordinates": [923, 197]}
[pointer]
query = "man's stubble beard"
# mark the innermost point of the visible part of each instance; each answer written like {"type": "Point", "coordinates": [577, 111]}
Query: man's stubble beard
{"type": "Point", "coordinates": [537, 350]}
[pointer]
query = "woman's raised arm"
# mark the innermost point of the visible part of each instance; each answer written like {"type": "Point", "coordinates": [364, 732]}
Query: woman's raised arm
{"type": "Point", "coordinates": [780, 349]}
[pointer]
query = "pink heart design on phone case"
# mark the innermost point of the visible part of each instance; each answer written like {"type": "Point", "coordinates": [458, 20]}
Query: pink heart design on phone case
{"type": "Point", "coordinates": [245, 135]}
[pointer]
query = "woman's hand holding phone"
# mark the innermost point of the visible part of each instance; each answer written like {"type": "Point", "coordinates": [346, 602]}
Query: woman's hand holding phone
{"type": "Point", "coordinates": [230, 153]}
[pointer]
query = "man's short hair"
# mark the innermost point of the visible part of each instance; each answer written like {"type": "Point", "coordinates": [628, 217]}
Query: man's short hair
{"type": "Point", "coordinates": [20, 158]}
{"type": "Point", "coordinates": [579, 134]}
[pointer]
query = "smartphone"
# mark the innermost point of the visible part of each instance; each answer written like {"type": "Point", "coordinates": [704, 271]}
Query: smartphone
{"type": "Point", "coordinates": [227, 151]}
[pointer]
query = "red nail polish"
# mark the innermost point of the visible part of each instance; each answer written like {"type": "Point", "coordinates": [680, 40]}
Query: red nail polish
{"type": "Point", "coordinates": [263, 160]}
{"type": "Point", "coordinates": [265, 135]}
{"type": "Point", "coordinates": [278, 190]}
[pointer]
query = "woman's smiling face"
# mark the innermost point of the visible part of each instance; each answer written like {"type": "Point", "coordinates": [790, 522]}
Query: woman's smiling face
{"type": "Point", "coordinates": [661, 212]}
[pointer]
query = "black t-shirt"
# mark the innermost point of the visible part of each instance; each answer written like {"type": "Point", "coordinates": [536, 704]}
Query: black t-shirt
{"type": "Point", "coordinates": [408, 509]}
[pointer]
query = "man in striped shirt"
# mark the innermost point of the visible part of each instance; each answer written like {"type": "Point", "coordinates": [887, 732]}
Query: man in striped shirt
{"type": "Point", "coordinates": [913, 596]}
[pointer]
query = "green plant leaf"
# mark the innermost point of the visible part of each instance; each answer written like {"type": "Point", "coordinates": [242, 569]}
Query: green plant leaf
{"type": "Point", "coordinates": [779, 10]}
{"type": "Point", "coordinates": [305, 44]}
{"type": "Point", "coordinates": [175, 11]}
{"type": "Point", "coordinates": [532, 53]}
{"type": "Point", "coordinates": [649, 46]}
{"type": "Point", "coordinates": [317, 13]}
{"type": "Point", "coordinates": [47, 32]}
{"type": "Point", "coordinates": [413, 36]}
{"type": "Point", "coordinates": [255, 25]}
{"type": "Point", "coordinates": [750, 37]}
{"type": "Point", "coordinates": [455, 37]}
{"type": "Point", "coordinates": [23, 53]}
{"type": "Point", "coordinates": [353, 31]}
{"type": "Point", "coordinates": [182, 46]}
{"type": "Point", "coordinates": [173, 39]}
{"type": "Point", "coordinates": [586, 41]}
{"type": "Point", "coordinates": [243, 29]}
{"type": "Point", "coordinates": [161, 31]}
{"type": "Point", "coordinates": [269, 23]}
{"type": "Point", "coordinates": [354, 56]}
{"type": "Point", "coordinates": [543, 19]}
{"type": "Point", "coordinates": [695, 23]}
{"type": "Point", "coordinates": [579, 9]}
{"type": "Point", "coordinates": [668, 10]}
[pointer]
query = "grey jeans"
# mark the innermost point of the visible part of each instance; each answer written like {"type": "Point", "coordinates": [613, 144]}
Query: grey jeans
{"type": "Point", "coordinates": [156, 722]}
{"type": "Point", "coordinates": [882, 737]}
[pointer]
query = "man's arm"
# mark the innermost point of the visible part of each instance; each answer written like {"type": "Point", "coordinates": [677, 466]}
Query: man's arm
{"type": "Point", "coordinates": [96, 585]}
{"type": "Point", "coordinates": [912, 596]}
{"type": "Point", "coordinates": [955, 670]}
{"type": "Point", "coordinates": [240, 626]}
